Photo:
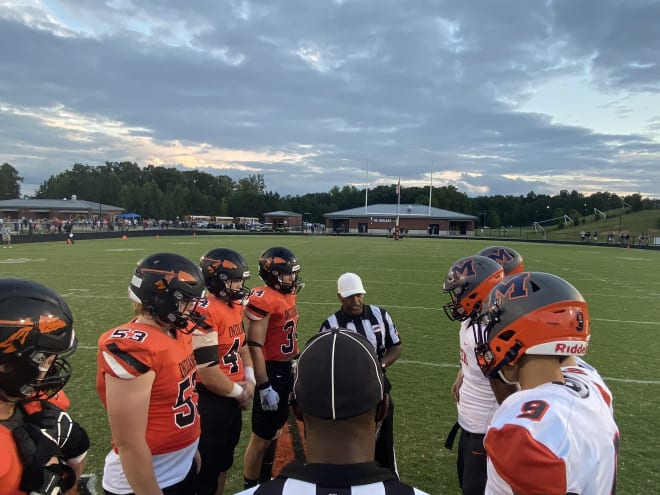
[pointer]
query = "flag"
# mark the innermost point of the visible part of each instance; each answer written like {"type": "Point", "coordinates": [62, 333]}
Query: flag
{"type": "Point", "coordinates": [398, 187]}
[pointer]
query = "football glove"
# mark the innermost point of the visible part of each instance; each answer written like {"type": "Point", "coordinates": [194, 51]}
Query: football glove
{"type": "Point", "coordinates": [270, 399]}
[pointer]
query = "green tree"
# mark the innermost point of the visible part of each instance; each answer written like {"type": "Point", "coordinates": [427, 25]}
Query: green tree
{"type": "Point", "coordinates": [130, 198]}
{"type": "Point", "coordinates": [493, 219]}
{"type": "Point", "coordinates": [9, 182]}
{"type": "Point", "coordinates": [153, 201]}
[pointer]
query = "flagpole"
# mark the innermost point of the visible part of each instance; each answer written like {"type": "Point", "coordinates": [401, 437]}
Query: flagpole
{"type": "Point", "coordinates": [398, 202]}
{"type": "Point", "coordinates": [366, 189]}
{"type": "Point", "coordinates": [431, 188]}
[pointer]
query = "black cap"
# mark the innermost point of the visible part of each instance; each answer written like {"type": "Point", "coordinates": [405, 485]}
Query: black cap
{"type": "Point", "coordinates": [338, 376]}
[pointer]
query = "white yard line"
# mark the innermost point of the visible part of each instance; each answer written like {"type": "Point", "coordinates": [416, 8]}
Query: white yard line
{"type": "Point", "coordinates": [449, 365]}
{"type": "Point", "coordinates": [606, 378]}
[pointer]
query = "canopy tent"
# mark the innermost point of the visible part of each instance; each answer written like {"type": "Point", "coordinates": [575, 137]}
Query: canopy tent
{"type": "Point", "coordinates": [129, 215]}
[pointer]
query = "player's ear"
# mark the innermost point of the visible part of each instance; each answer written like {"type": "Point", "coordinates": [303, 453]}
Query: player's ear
{"type": "Point", "coordinates": [294, 407]}
{"type": "Point", "coordinates": [382, 408]}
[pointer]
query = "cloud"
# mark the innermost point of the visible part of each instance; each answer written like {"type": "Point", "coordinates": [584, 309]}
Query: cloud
{"type": "Point", "coordinates": [493, 98]}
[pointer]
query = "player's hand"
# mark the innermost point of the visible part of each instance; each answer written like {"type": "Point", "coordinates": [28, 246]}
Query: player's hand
{"type": "Point", "coordinates": [270, 399]}
{"type": "Point", "coordinates": [456, 386]}
{"type": "Point", "coordinates": [44, 472]}
{"type": "Point", "coordinates": [245, 399]}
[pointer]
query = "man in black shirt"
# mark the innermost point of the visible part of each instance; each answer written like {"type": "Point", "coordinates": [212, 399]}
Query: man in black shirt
{"type": "Point", "coordinates": [339, 394]}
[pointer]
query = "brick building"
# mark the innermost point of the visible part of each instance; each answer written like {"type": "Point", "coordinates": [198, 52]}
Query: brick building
{"type": "Point", "coordinates": [413, 219]}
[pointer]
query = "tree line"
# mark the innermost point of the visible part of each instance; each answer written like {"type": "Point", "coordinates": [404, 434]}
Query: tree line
{"type": "Point", "coordinates": [168, 193]}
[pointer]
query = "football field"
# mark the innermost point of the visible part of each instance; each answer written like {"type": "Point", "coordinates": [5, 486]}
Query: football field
{"type": "Point", "coordinates": [622, 287]}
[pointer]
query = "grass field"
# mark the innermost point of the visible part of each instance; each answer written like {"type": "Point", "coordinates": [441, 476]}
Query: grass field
{"type": "Point", "coordinates": [622, 287]}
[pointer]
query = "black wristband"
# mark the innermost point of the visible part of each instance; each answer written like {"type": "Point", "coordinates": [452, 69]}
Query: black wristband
{"type": "Point", "coordinates": [264, 385]}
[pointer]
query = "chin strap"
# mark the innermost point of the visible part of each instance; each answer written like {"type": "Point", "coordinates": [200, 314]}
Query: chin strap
{"type": "Point", "coordinates": [504, 379]}
{"type": "Point", "coordinates": [509, 357]}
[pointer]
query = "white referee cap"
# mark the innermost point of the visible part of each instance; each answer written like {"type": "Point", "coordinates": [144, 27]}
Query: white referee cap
{"type": "Point", "coordinates": [350, 284]}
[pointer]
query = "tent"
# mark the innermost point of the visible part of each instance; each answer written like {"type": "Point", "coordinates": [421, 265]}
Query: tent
{"type": "Point", "coordinates": [129, 216]}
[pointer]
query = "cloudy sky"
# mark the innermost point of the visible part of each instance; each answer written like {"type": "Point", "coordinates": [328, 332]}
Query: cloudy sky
{"type": "Point", "coordinates": [493, 97]}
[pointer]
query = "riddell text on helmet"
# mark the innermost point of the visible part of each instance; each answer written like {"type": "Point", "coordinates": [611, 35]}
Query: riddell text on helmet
{"type": "Point", "coordinates": [573, 350]}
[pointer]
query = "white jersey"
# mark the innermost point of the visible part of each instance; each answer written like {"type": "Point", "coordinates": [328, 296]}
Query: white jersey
{"type": "Point", "coordinates": [555, 439]}
{"type": "Point", "coordinates": [584, 368]}
{"type": "Point", "coordinates": [477, 402]}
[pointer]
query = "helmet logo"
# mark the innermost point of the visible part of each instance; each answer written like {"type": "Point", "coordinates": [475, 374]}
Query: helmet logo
{"type": "Point", "coordinates": [46, 324]}
{"type": "Point", "coordinates": [463, 270]}
{"type": "Point", "coordinates": [566, 349]}
{"type": "Point", "coordinates": [513, 287]}
{"type": "Point", "coordinates": [168, 275]}
{"type": "Point", "coordinates": [501, 256]}
{"type": "Point", "coordinates": [217, 264]}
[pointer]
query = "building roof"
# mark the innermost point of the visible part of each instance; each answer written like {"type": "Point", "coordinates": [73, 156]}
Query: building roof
{"type": "Point", "coordinates": [65, 205]}
{"type": "Point", "coordinates": [403, 210]}
{"type": "Point", "coordinates": [281, 213]}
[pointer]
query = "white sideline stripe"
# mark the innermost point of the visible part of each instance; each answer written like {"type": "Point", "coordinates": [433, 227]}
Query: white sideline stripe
{"type": "Point", "coordinates": [628, 321]}
{"type": "Point", "coordinates": [424, 363]}
{"type": "Point", "coordinates": [607, 378]}
{"type": "Point", "coordinates": [629, 380]}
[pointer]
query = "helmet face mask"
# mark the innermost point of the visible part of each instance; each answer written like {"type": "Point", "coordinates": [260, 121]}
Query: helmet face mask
{"type": "Point", "coordinates": [468, 282]}
{"type": "Point", "coordinates": [530, 313]}
{"type": "Point", "coordinates": [221, 269]}
{"type": "Point", "coordinates": [36, 335]}
{"type": "Point", "coordinates": [48, 381]}
{"type": "Point", "coordinates": [277, 262]}
{"type": "Point", "coordinates": [166, 284]}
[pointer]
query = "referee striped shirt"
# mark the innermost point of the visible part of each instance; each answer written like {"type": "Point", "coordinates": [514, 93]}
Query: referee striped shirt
{"type": "Point", "coordinates": [331, 479]}
{"type": "Point", "coordinates": [375, 324]}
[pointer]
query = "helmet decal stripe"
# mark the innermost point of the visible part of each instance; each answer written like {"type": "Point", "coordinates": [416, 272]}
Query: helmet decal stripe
{"type": "Point", "coordinates": [46, 324]}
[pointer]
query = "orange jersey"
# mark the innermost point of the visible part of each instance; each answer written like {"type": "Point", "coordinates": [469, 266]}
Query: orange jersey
{"type": "Point", "coordinates": [222, 327]}
{"type": "Point", "coordinates": [11, 467]}
{"type": "Point", "coordinates": [133, 349]}
{"type": "Point", "coordinates": [59, 400]}
{"type": "Point", "coordinates": [281, 337]}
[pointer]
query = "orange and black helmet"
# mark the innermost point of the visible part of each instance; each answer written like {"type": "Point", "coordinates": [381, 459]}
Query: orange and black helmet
{"type": "Point", "coordinates": [277, 261]}
{"type": "Point", "coordinates": [219, 267]}
{"type": "Point", "coordinates": [161, 281]}
{"type": "Point", "coordinates": [35, 324]}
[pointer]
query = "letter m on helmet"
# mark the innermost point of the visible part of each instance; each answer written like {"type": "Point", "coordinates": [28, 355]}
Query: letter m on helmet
{"type": "Point", "coordinates": [501, 256]}
{"type": "Point", "coordinates": [461, 271]}
{"type": "Point", "coordinates": [513, 287]}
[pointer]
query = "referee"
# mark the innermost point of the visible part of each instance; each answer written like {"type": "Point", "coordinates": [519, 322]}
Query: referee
{"type": "Point", "coordinates": [339, 393]}
{"type": "Point", "coordinates": [377, 326]}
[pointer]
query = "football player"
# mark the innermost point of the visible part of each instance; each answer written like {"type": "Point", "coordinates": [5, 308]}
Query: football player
{"type": "Point", "coordinates": [36, 333]}
{"type": "Point", "coordinates": [224, 366]}
{"type": "Point", "coordinates": [557, 435]}
{"type": "Point", "coordinates": [468, 282]}
{"type": "Point", "coordinates": [273, 343]}
{"type": "Point", "coordinates": [146, 381]}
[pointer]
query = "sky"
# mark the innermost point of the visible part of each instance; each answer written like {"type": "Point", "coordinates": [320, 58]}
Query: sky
{"type": "Point", "coordinates": [489, 96]}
